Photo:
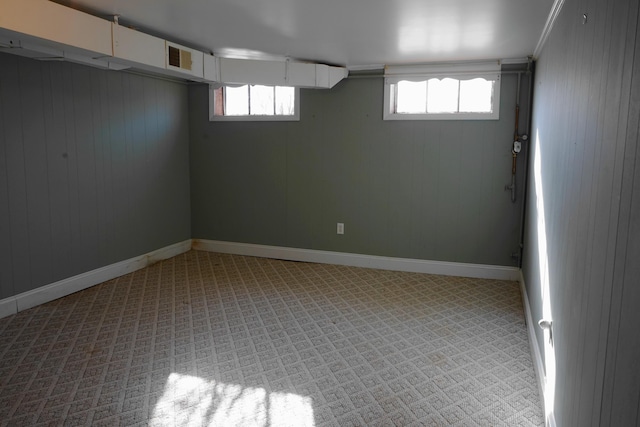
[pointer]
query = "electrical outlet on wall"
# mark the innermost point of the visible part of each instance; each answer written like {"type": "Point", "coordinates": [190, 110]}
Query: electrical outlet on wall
{"type": "Point", "coordinates": [340, 229]}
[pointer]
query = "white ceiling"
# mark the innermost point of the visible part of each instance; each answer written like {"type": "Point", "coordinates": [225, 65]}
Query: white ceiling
{"type": "Point", "coordinates": [352, 33]}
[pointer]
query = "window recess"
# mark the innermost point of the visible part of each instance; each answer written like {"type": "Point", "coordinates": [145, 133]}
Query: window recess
{"type": "Point", "coordinates": [254, 103]}
{"type": "Point", "coordinates": [463, 91]}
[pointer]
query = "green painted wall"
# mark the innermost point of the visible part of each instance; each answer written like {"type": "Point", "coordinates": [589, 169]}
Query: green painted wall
{"type": "Point", "coordinates": [94, 169]}
{"type": "Point", "coordinates": [431, 190]}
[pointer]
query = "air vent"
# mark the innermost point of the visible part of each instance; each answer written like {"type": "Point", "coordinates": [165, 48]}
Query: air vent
{"type": "Point", "coordinates": [180, 58]}
{"type": "Point", "coordinates": [174, 56]}
{"type": "Point", "coordinates": [185, 60]}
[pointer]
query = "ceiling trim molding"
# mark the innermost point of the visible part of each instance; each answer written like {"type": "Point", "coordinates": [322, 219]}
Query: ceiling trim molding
{"type": "Point", "coordinates": [511, 61]}
{"type": "Point", "coordinates": [548, 26]}
{"type": "Point", "coordinates": [367, 67]}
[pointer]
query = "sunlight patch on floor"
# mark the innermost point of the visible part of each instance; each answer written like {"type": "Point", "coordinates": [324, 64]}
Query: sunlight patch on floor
{"type": "Point", "coordinates": [193, 401]}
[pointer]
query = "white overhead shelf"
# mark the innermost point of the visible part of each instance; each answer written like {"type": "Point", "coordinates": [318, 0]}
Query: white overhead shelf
{"type": "Point", "coordinates": [51, 23]}
{"type": "Point", "coordinates": [45, 30]}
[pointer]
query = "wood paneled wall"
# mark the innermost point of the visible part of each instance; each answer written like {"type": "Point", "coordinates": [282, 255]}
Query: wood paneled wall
{"type": "Point", "coordinates": [94, 169]}
{"type": "Point", "coordinates": [582, 236]}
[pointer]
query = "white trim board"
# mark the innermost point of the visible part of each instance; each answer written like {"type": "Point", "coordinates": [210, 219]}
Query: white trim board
{"type": "Point", "coordinates": [8, 307]}
{"type": "Point", "coordinates": [536, 355]}
{"type": "Point", "coordinates": [356, 260]}
{"type": "Point", "coordinates": [548, 26]}
{"type": "Point", "coordinates": [61, 288]}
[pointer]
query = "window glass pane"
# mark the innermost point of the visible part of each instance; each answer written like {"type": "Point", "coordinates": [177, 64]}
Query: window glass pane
{"type": "Point", "coordinates": [236, 101]}
{"type": "Point", "coordinates": [285, 97]}
{"type": "Point", "coordinates": [475, 96]}
{"type": "Point", "coordinates": [261, 101]}
{"type": "Point", "coordinates": [442, 96]}
{"type": "Point", "coordinates": [218, 103]}
{"type": "Point", "coordinates": [411, 97]}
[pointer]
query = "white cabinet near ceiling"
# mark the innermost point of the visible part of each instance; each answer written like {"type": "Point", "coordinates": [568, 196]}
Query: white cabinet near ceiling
{"type": "Point", "coordinates": [322, 76]}
{"type": "Point", "coordinates": [277, 73]}
{"type": "Point", "coordinates": [246, 71]}
{"type": "Point", "coordinates": [211, 69]}
{"type": "Point", "coordinates": [155, 54]}
{"type": "Point", "coordinates": [318, 76]}
{"type": "Point", "coordinates": [182, 61]}
{"type": "Point", "coordinates": [301, 74]}
{"type": "Point", "coordinates": [134, 47]}
{"type": "Point", "coordinates": [327, 76]}
{"type": "Point", "coordinates": [49, 23]}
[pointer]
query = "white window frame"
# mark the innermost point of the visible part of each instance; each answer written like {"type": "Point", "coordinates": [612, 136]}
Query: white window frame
{"type": "Point", "coordinates": [461, 71]}
{"type": "Point", "coordinates": [253, 118]}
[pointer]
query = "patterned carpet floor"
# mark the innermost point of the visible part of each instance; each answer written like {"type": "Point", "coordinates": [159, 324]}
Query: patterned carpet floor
{"type": "Point", "coordinates": [207, 339]}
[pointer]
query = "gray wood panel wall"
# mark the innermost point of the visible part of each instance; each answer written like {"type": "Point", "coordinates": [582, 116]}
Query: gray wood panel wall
{"type": "Point", "coordinates": [585, 120]}
{"type": "Point", "coordinates": [94, 169]}
{"type": "Point", "coordinates": [429, 190]}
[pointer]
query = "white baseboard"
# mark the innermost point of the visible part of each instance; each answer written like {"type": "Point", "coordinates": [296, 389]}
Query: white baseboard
{"type": "Point", "coordinates": [8, 307]}
{"type": "Point", "coordinates": [82, 281]}
{"type": "Point", "coordinates": [551, 420]}
{"type": "Point", "coordinates": [538, 364]}
{"type": "Point", "coordinates": [50, 292]}
{"type": "Point", "coordinates": [357, 260]}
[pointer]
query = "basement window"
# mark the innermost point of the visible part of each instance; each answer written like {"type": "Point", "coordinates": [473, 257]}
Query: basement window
{"type": "Point", "coordinates": [254, 103]}
{"type": "Point", "coordinates": [442, 92]}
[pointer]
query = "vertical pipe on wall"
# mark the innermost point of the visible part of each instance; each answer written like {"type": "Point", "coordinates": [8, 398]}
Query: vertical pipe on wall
{"type": "Point", "coordinates": [530, 75]}
{"type": "Point", "coordinates": [516, 137]}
